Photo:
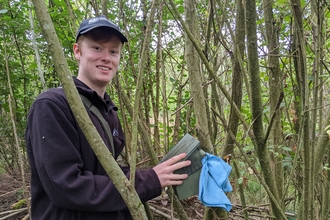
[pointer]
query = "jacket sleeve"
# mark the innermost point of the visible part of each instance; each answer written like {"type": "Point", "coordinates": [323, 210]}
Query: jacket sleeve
{"type": "Point", "coordinates": [55, 145]}
{"type": "Point", "coordinates": [145, 179]}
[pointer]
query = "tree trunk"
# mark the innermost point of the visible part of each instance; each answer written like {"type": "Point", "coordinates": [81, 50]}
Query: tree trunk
{"type": "Point", "coordinates": [256, 106]}
{"type": "Point", "coordinates": [196, 86]}
{"type": "Point", "coordinates": [305, 205]}
{"type": "Point", "coordinates": [237, 84]}
{"type": "Point", "coordinates": [275, 91]}
{"type": "Point", "coordinates": [196, 79]}
{"type": "Point", "coordinates": [159, 64]}
{"type": "Point", "coordinates": [139, 88]}
{"type": "Point", "coordinates": [35, 47]}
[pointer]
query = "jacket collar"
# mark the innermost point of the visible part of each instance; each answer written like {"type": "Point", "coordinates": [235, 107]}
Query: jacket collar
{"type": "Point", "coordinates": [93, 96]}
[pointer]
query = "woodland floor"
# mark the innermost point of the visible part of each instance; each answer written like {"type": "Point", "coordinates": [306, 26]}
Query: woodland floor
{"type": "Point", "coordinates": [11, 193]}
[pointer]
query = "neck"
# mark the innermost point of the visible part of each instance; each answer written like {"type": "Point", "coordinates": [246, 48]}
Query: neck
{"type": "Point", "coordinates": [99, 90]}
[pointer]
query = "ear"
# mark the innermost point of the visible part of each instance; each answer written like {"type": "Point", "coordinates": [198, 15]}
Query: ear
{"type": "Point", "coordinates": [76, 51]}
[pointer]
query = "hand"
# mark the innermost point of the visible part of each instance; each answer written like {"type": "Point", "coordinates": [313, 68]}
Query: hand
{"type": "Point", "coordinates": [165, 171]}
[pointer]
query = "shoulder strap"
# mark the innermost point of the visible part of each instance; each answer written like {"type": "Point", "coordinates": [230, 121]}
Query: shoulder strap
{"type": "Point", "coordinates": [101, 119]}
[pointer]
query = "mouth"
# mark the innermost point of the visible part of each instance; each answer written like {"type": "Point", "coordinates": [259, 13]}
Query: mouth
{"type": "Point", "coordinates": [103, 68]}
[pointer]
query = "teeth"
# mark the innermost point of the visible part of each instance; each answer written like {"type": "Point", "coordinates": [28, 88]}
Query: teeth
{"type": "Point", "coordinates": [103, 68]}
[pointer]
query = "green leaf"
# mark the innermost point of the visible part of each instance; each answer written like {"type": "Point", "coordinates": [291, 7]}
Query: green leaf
{"type": "Point", "coordinates": [254, 186]}
{"type": "Point", "coordinates": [281, 2]}
{"type": "Point", "coordinates": [240, 180]}
{"type": "Point", "coordinates": [286, 149]}
{"type": "Point", "coordinates": [181, 8]}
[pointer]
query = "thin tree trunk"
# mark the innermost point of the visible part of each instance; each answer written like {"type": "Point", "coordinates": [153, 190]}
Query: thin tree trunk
{"type": "Point", "coordinates": [326, 194]}
{"type": "Point", "coordinates": [197, 93]}
{"type": "Point", "coordinates": [256, 105]}
{"type": "Point", "coordinates": [237, 84]}
{"type": "Point", "coordinates": [275, 91]}
{"type": "Point", "coordinates": [12, 116]}
{"type": "Point", "coordinates": [159, 63]}
{"type": "Point", "coordinates": [316, 26]}
{"type": "Point", "coordinates": [177, 120]}
{"type": "Point", "coordinates": [305, 205]}
{"type": "Point", "coordinates": [206, 51]}
{"type": "Point", "coordinates": [139, 87]}
{"type": "Point", "coordinates": [104, 8]}
{"type": "Point", "coordinates": [165, 112]}
{"type": "Point", "coordinates": [35, 47]}
{"type": "Point", "coordinates": [72, 15]}
{"type": "Point", "coordinates": [196, 78]}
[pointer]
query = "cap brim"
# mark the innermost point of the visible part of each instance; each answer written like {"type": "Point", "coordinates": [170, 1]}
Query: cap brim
{"type": "Point", "coordinates": [119, 34]}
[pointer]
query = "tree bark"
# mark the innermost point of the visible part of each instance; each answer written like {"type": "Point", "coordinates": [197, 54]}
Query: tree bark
{"type": "Point", "coordinates": [196, 78]}
{"type": "Point", "coordinates": [238, 69]}
{"type": "Point", "coordinates": [237, 84]}
{"type": "Point", "coordinates": [256, 105]}
{"type": "Point", "coordinates": [139, 87]}
{"type": "Point", "coordinates": [197, 93]}
{"type": "Point", "coordinates": [35, 47]}
{"type": "Point", "coordinates": [275, 91]}
{"type": "Point", "coordinates": [305, 205]}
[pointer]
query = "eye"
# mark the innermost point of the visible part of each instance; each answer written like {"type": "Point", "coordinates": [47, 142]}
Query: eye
{"type": "Point", "coordinates": [114, 51]}
{"type": "Point", "coordinates": [97, 48]}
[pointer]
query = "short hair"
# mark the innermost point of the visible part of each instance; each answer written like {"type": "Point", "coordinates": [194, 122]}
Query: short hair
{"type": "Point", "coordinates": [103, 34]}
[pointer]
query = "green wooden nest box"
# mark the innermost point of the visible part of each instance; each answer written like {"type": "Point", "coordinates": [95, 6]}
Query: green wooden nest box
{"type": "Point", "coordinates": [191, 147]}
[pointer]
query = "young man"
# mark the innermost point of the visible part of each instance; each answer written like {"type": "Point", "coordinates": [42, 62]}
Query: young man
{"type": "Point", "coordinates": [67, 180]}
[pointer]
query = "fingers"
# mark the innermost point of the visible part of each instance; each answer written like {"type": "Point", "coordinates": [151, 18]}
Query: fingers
{"type": "Point", "coordinates": [180, 165]}
{"type": "Point", "coordinates": [174, 183]}
{"type": "Point", "coordinates": [172, 179]}
{"type": "Point", "coordinates": [176, 159]}
{"type": "Point", "coordinates": [174, 164]}
{"type": "Point", "coordinates": [178, 177]}
{"type": "Point", "coordinates": [165, 170]}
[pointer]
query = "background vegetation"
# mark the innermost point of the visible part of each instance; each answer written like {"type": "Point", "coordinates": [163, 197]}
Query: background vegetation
{"type": "Point", "coordinates": [249, 79]}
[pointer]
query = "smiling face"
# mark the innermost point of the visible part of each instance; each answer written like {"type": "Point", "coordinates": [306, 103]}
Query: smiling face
{"type": "Point", "coordinates": [98, 57]}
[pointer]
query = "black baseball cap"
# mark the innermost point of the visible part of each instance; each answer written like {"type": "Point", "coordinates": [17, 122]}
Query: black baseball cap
{"type": "Point", "coordinates": [101, 21]}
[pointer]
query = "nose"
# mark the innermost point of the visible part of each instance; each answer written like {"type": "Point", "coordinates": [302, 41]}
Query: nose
{"type": "Point", "coordinates": [106, 57]}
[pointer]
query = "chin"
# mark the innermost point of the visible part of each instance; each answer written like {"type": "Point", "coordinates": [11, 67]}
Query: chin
{"type": "Point", "coordinates": [105, 79]}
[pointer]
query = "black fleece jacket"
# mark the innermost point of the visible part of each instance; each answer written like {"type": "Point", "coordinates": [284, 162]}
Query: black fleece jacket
{"type": "Point", "coordinates": [67, 180]}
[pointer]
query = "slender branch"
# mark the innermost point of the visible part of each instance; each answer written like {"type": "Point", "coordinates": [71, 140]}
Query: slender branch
{"type": "Point", "coordinates": [273, 117]}
{"type": "Point", "coordinates": [12, 116]}
{"type": "Point", "coordinates": [12, 213]}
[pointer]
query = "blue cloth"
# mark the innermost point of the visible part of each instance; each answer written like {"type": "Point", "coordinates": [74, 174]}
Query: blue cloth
{"type": "Point", "coordinates": [214, 182]}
